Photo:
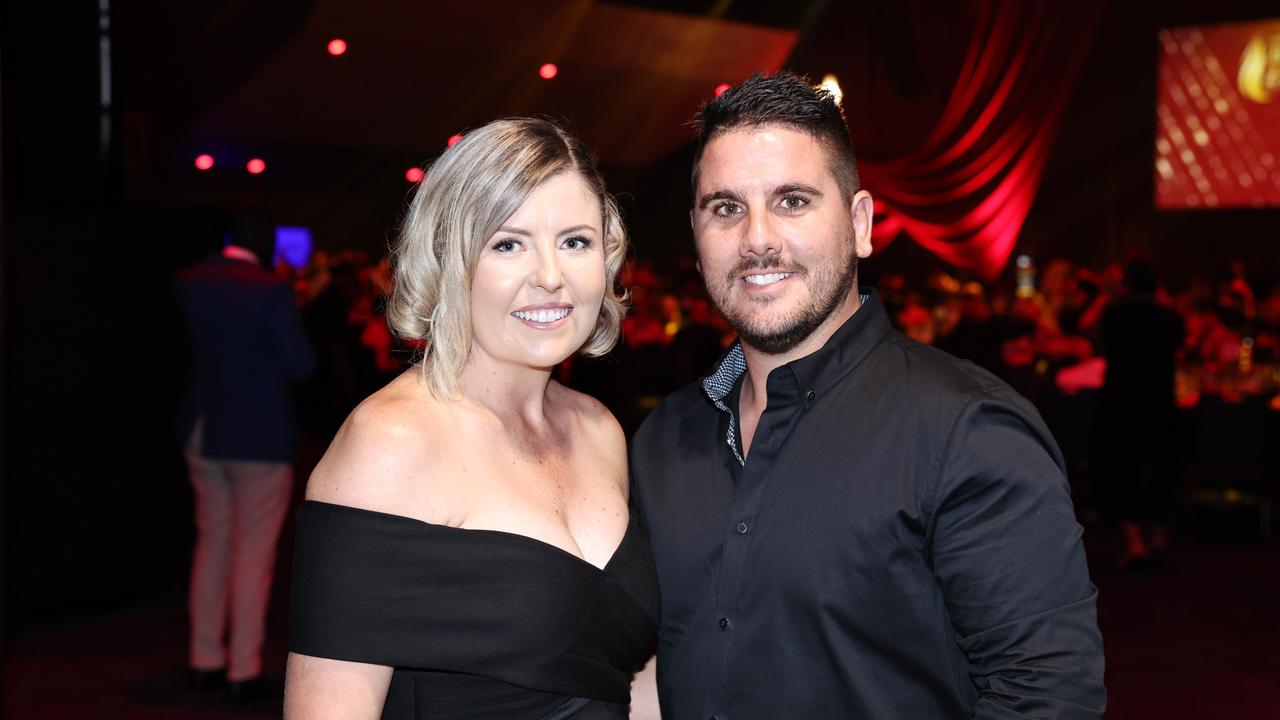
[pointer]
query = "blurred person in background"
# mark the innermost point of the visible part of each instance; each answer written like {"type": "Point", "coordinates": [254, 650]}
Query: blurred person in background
{"type": "Point", "coordinates": [238, 428]}
{"type": "Point", "coordinates": [1140, 339]}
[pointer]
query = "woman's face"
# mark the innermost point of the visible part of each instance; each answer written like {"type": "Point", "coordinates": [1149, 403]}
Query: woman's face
{"type": "Point", "coordinates": [540, 281]}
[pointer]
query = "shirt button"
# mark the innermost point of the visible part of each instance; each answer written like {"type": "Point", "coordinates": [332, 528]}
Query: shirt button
{"type": "Point", "coordinates": [724, 623]}
{"type": "Point", "coordinates": [741, 528]}
{"type": "Point", "coordinates": [810, 395]}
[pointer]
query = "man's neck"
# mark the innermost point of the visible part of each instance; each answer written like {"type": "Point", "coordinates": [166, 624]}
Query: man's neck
{"type": "Point", "coordinates": [760, 364]}
{"type": "Point", "coordinates": [235, 252]}
{"type": "Point", "coordinates": [755, 395]}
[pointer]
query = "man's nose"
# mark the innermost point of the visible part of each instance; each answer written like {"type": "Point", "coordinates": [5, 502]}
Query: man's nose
{"type": "Point", "coordinates": [758, 236]}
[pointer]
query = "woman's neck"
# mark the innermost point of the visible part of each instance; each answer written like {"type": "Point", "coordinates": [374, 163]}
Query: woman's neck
{"type": "Point", "coordinates": [511, 392]}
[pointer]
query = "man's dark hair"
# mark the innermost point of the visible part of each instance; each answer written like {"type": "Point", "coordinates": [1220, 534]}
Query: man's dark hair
{"type": "Point", "coordinates": [1141, 276]}
{"type": "Point", "coordinates": [254, 231]}
{"type": "Point", "coordinates": [783, 99]}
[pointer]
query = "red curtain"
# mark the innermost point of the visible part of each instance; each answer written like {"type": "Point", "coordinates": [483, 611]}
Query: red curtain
{"type": "Point", "coordinates": [965, 192]}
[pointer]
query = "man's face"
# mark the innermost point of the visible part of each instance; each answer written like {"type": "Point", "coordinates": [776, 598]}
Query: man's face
{"type": "Point", "coordinates": [777, 243]}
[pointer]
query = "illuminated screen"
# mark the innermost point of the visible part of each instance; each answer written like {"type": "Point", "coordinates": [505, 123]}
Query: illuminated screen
{"type": "Point", "coordinates": [1218, 117]}
{"type": "Point", "coordinates": [293, 245]}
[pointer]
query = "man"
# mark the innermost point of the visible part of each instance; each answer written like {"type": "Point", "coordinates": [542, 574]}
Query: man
{"type": "Point", "coordinates": [238, 427]}
{"type": "Point", "coordinates": [846, 523]}
{"type": "Point", "coordinates": [1140, 339]}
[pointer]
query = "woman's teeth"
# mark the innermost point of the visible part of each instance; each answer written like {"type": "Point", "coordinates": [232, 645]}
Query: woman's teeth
{"type": "Point", "coordinates": [542, 316]}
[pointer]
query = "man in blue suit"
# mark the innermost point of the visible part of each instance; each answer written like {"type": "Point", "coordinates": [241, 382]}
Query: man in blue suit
{"type": "Point", "coordinates": [238, 424]}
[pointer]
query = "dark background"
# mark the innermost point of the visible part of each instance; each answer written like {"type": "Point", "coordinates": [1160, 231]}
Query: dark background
{"type": "Point", "coordinates": [96, 508]}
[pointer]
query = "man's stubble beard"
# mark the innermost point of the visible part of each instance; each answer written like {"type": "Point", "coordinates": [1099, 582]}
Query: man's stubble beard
{"type": "Point", "coordinates": [828, 289]}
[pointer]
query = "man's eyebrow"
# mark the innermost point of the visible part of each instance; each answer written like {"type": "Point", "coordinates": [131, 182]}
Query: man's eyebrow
{"type": "Point", "coordinates": [790, 188]}
{"type": "Point", "coordinates": [707, 199]}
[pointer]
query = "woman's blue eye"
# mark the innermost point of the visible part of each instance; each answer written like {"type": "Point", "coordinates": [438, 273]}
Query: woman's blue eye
{"type": "Point", "coordinates": [506, 245]}
{"type": "Point", "coordinates": [577, 242]}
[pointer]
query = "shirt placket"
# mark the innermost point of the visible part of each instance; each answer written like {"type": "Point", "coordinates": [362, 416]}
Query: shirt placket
{"type": "Point", "coordinates": [782, 412]}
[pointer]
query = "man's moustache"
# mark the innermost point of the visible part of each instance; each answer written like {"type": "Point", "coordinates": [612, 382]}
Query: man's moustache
{"type": "Point", "coordinates": [773, 263]}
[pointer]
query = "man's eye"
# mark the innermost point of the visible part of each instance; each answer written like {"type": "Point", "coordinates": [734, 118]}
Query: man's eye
{"type": "Point", "coordinates": [727, 209]}
{"type": "Point", "coordinates": [577, 242]}
{"type": "Point", "coordinates": [793, 202]}
{"type": "Point", "coordinates": [506, 246]}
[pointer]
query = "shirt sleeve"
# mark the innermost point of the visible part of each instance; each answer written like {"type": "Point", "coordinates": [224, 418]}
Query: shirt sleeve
{"type": "Point", "coordinates": [1008, 553]}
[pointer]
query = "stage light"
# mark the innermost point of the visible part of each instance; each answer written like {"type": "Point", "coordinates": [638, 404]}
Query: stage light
{"type": "Point", "coordinates": [337, 46]}
{"type": "Point", "coordinates": [204, 161]}
{"type": "Point", "coordinates": [256, 166]}
{"type": "Point", "coordinates": [413, 174]}
{"type": "Point", "coordinates": [548, 71]}
{"type": "Point", "coordinates": [721, 88]}
{"type": "Point", "coordinates": [832, 85]}
{"type": "Point", "coordinates": [453, 139]}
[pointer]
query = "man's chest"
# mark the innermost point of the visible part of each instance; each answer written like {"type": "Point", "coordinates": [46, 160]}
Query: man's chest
{"type": "Point", "coordinates": [827, 503]}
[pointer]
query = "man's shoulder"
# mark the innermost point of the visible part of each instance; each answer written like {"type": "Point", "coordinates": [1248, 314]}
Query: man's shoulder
{"type": "Point", "coordinates": [687, 405]}
{"type": "Point", "coordinates": [924, 370]}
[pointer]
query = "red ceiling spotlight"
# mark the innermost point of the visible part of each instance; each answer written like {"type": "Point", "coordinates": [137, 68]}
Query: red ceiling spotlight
{"type": "Point", "coordinates": [548, 71]}
{"type": "Point", "coordinates": [204, 161]}
{"type": "Point", "coordinates": [453, 139]}
{"type": "Point", "coordinates": [256, 166]}
{"type": "Point", "coordinates": [337, 46]}
{"type": "Point", "coordinates": [721, 88]}
{"type": "Point", "coordinates": [413, 174]}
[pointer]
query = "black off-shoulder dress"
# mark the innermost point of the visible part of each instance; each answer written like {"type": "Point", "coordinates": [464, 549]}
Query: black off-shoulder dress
{"type": "Point", "coordinates": [477, 623]}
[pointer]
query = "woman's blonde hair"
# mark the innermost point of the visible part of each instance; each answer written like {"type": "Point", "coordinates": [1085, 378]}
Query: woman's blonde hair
{"type": "Point", "coordinates": [466, 195]}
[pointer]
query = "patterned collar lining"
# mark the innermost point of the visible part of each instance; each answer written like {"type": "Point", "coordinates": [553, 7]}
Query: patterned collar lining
{"type": "Point", "coordinates": [720, 383]}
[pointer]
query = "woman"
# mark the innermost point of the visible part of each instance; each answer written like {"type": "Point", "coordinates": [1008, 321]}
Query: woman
{"type": "Point", "coordinates": [465, 550]}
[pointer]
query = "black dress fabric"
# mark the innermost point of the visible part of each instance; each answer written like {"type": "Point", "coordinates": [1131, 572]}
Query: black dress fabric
{"type": "Point", "coordinates": [477, 623]}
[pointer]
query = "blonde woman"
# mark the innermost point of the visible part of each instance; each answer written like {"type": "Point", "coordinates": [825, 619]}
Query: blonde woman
{"type": "Point", "coordinates": [465, 549]}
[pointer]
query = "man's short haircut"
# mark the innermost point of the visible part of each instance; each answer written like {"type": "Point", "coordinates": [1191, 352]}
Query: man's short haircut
{"type": "Point", "coordinates": [783, 99]}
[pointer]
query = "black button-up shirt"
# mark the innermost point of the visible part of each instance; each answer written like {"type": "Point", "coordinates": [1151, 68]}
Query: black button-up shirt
{"type": "Point", "coordinates": [899, 543]}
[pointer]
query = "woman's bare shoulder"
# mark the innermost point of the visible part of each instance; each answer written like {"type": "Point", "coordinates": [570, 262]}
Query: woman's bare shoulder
{"type": "Point", "coordinates": [592, 413]}
{"type": "Point", "coordinates": [597, 424]}
{"type": "Point", "coordinates": [382, 453]}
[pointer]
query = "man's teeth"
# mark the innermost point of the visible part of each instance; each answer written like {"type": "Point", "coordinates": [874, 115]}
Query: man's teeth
{"type": "Point", "coordinates": [542, 316]}
{"type": "Point", "coordinates": [769, 279]}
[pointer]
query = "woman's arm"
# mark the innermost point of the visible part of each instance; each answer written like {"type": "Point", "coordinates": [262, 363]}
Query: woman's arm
{"type": "Point", "coordinates": [380, 442]}
{"type": "Point", "coordinates": [320, 688]}
{"type": "Point", "coordinates": [644, 693]}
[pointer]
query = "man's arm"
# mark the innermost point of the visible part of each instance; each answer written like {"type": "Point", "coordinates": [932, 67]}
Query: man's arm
{"type": "Point", "coordinates": [1007, 550]}
{"type": "Point", "coordinates": [285, 324]}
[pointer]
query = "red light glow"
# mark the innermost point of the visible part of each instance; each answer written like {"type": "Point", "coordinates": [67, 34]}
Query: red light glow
{"type": "Point", "coordinates": [453, 139]}
{"type": "Point", "coordinates": [256, 166]}
{"type": "Point", "coordinates": [413, 174]}
{"type": "Point", "coordinates": [548, 71]}
{"type": "Point", "coordinates": [721, 88]}
{"type": "Point", "coordinates": [337, 46]}
{"type": "Point", "coordinates": [204, 161]}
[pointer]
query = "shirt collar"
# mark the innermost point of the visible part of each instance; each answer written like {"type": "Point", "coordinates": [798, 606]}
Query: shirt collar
{"type": "Point", "coordinates": [815, 373]}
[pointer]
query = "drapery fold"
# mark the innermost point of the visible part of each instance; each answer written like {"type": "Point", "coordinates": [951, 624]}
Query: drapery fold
{"type": "Point", "coordinates": [964, 194]}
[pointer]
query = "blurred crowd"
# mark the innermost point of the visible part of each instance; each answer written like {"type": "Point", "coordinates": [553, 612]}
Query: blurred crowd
{"type": "Point", "coordinates": [1045, 334]}
{"type": "Point", "coordinates": [1042, 334]}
